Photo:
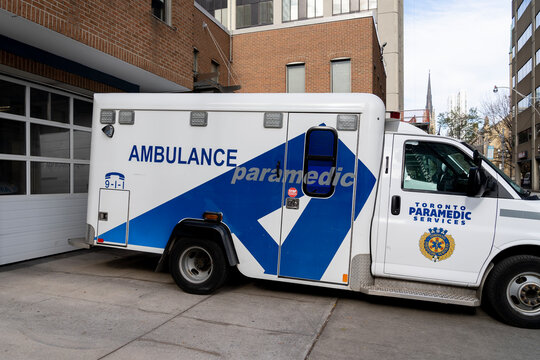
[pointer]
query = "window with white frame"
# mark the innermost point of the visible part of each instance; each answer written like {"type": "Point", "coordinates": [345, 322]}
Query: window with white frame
{"type": "Point", "coordinates": [522, 8]}
{"type": "Point", "coordinates": [340, 75]}
{"type": "Point", "coordinates": [525, 37]}
{"type": "Point", "coordinates": [537, 57]}
{"type": "Point", "coordinates": [537, 20]}
{"type": "Point", "coordinates": [161, 9]}
{"type": "Point", "coordinates": [350, 6]}
{"type": "Point", "coordinates": [524, 70]}
{"type": "Point", "coordinates": [296, 78]}
{"type": "Point", "coordinates": [44, 140]}
{"type": "Point", "coordinates": [301, 9]}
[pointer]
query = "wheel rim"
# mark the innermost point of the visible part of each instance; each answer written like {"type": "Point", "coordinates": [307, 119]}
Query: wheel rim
{"type": "Point", "coordinates": [196, 264]}
{"type": "Point", "coordinates": [523, 293]}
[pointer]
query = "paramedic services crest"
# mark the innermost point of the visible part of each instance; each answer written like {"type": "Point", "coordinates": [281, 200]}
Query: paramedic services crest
{"type": "Point", "coordinates": [436, 244]}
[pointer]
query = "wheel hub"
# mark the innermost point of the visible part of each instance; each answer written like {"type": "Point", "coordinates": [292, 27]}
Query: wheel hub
{"type": "Point", "coordinates": [524, 293]}
{"type": "Point", "coordinates": [530, 294]}
{"type": "Point", "coordinates": [195, 264]}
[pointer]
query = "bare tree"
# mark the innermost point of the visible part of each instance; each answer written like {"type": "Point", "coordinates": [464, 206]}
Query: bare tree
{"type": "Point", "coordinates": [498, 111]}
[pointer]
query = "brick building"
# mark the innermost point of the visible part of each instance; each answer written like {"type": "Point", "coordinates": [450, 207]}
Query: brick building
{"type": "Point", "coordinates": [55, 54]}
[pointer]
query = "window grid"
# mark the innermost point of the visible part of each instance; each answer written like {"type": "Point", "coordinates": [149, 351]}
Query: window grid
{"type": "Point", "coordinates": [301, 9]}
{"type": "Point", "coordinates": [28, 159]}
{"type": "Point", "coordinates": [351, 6]}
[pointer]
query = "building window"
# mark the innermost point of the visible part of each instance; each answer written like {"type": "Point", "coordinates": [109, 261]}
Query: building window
{"type": "Point", "coordinates": [513, 52]}
{"type": "Point", "coordinates": [514, 22]}
{"type": "Point", "coordinates": [253, 13]}
{"type": "Point", "coordinates": [522, 8]}
{"type": "Point", "coordinates": [195, 61]}
{"type": "Point", "coordinates": [215, 69]}
{"type": "Point", "coordinates": [524, 103]}
{"type": "Point", "coordinates": [161, 10]}
{"type": "Point", "coordinates": [341, 75]}
{"type": "Point", "coordinates": [524, 70]}
{"type": "Point", "coordinates": [302, 9]}
{"type": "Point", "coordinates": [217, 8]}
{"type": "Point", "coordinates": [12, 98]}
{"type": "Point", "coordinates": [524, 136]}
{"type": "Point", "coordinates": [349, 6]}
{"type": "Point", "coordinates": [296, 78]}
{"type": "Point", "coordinates": [45, 151]}
{"type": "Point", "coordinates": [537, 57]}
{"type": "Point", "coordinates": [537, 20]}
{"type": "Point", "coordinates": [513, 81]}
{"type": "Point", "coordinates": [525, 37]}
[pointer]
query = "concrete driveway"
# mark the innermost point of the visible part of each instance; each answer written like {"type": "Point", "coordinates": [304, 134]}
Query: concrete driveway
{"type": "Point", "coordinates": [108, 303]}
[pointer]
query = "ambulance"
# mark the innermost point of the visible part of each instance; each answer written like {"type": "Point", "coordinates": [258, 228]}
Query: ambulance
{"type": "Point", "coordinates": [312, 189]}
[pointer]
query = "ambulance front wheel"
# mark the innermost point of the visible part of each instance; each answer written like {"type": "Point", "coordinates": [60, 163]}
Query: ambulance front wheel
{"type": "Point", "coordinates": [198, 266]}
{"type": "Point", "coordinates": [513, 291]}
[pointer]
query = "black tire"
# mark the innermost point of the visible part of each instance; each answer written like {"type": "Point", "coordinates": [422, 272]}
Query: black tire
{"type": "Point", "coordinates": [512, 291]}
{"type": "Point", "coordinates": [198, 266]}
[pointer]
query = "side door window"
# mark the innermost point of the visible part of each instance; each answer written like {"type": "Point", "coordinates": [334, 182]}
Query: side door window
{"type": "Point", "coordinates": [320, 157]}
{"type": "Point", "coordinates": [436, 167]}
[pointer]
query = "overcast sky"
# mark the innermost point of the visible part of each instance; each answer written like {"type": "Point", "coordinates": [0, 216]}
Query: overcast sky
{"type": "Point", "coordinates": [465, 44]}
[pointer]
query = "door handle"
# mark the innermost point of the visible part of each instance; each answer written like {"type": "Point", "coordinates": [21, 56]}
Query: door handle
{"type": "Point", "coordinates": [396, 205]}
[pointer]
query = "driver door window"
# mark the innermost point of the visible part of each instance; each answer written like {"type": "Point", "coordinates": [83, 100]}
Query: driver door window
{"type": "Point", "coordinates": [436, 167]}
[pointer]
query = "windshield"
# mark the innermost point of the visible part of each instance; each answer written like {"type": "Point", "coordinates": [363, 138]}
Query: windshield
{"type": "Point", "coordinates": [522, 192]}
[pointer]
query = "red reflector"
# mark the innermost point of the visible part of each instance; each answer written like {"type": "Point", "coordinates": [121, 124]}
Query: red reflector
{"type": "Point", "coordinates": [100, 240]}
{"type": "Point", "coordinates": [395, 115]}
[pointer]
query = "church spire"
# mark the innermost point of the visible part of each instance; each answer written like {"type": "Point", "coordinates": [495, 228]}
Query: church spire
{"type": "Point", "coordinates": [429, 102]}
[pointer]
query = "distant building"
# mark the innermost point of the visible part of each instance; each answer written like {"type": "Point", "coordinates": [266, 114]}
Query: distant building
{"type": "Point", "coordinates": [525, 85]}
{"type": "Point", "coordinates": [458, 102]}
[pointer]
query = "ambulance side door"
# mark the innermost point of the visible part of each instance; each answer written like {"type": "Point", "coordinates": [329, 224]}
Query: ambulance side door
{"type": "Point", "coordinates": [435, 232]}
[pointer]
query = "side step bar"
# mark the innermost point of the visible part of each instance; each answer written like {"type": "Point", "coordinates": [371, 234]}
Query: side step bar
{"type": "Point", "coordinates": [420, 291]}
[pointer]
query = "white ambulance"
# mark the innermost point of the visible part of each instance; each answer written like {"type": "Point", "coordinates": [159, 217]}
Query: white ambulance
{"type": "Point", "coordinates": [314, 189]}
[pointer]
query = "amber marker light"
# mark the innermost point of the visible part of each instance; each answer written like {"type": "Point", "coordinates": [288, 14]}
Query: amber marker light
{"type": "Point", "coordinates": [213, 216]}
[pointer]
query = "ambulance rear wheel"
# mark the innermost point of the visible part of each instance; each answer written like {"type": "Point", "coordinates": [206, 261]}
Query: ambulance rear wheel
{"type": "Point", "coordinates": [198, 266]}
{"type": "Point", "coordinates": [513, 291]}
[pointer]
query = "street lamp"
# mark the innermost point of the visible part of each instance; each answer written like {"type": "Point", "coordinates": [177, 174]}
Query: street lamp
{"type": "Point", "coordinates": [533, 98]}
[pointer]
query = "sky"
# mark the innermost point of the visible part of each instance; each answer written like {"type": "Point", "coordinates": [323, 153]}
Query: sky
{"type": "Point", "coordinates": [465, 45]}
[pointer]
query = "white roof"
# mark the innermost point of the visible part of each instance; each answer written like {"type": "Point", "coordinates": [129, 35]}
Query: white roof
{"type": "Point", "coordinates": [402, 127]}
{"type": "Point", "coordinates": [311, 102]}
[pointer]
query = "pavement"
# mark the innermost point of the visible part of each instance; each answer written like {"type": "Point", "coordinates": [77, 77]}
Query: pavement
{"type": "Point", "coordinates": [110, 304]}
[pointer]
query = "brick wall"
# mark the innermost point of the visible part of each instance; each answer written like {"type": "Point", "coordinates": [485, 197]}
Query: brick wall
{"type": "Point", "coordinates": [260, 58]}
{"type": "Point", "coordinates": [126, 29]}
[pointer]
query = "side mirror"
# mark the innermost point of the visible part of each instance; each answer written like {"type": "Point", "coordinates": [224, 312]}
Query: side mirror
{"type": "Point", "coordinates": [477, 159]}
{"type": "Point", "coordinates": [477, 182]}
